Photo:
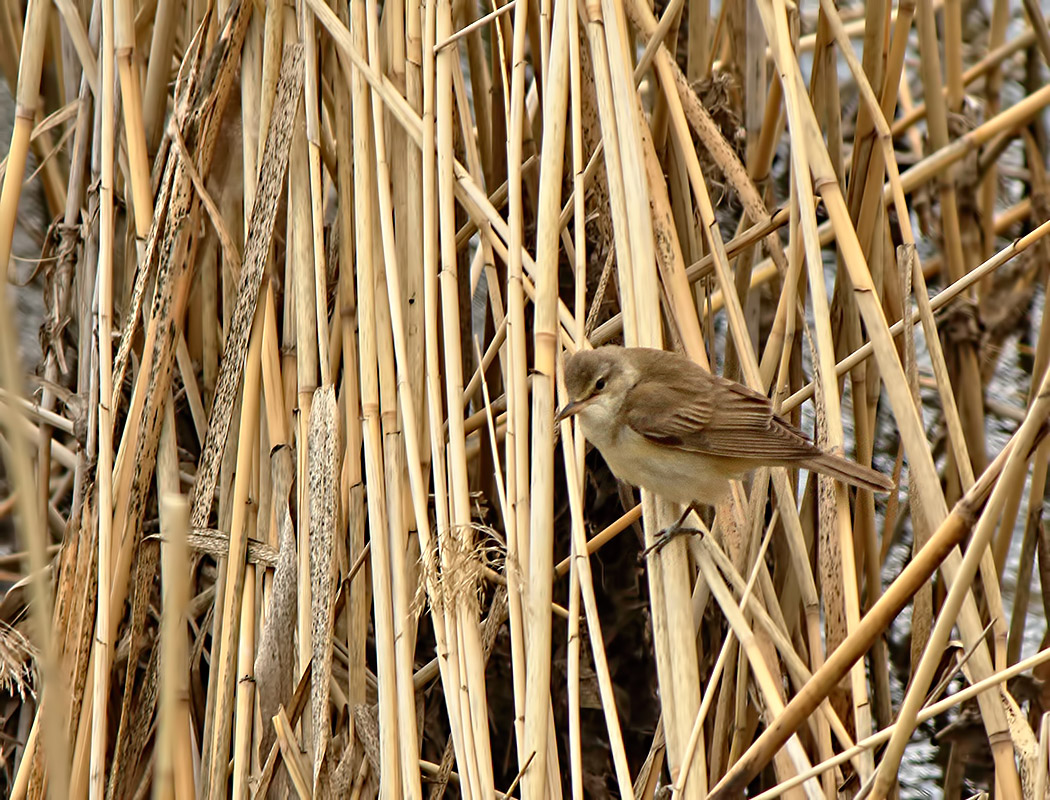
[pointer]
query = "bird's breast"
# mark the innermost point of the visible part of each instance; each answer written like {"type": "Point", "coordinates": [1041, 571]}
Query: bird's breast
{"type": "Point", "coordinates": [677, 475]}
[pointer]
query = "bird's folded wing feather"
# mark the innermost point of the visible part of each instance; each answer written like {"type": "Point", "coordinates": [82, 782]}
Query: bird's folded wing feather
{"type": "Point", "coordinates": [708, 414]}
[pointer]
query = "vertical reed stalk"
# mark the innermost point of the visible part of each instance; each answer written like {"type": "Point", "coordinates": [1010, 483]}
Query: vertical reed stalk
{"type": "Point", "coordinates": [516, 520]}
{"type": "Point", "coordinates": [224, 653]}
{"type": "Point", "coordinates": [390, 769]}
{"type": "Point", "coordinates": [103, 652]}
{"type": "Point", "coordinates": [26, 100]}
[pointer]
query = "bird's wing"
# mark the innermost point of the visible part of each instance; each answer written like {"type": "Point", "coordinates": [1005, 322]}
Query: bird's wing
{"type": "Point", "coordinates": [704, 413]}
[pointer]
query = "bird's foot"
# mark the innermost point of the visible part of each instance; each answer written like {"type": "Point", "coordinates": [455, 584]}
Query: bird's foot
{"type": "Point", "coordinates": [665, 537]}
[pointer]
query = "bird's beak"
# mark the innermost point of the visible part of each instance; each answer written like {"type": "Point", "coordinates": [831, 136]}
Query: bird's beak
{"type": "Point", "coordinates": [569, 409]}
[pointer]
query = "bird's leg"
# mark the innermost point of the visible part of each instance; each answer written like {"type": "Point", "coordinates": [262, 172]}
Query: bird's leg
{"type": "Point", "coordinates": [663, 537]}
{"type": "Point", "coordinates": [629, 500]}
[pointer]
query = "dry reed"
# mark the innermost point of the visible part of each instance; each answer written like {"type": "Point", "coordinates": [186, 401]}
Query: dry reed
{"type": "Point", "coordinates": [313, 273]}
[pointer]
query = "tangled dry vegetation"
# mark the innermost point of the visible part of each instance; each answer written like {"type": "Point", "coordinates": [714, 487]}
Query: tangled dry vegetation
{"type": "Point", "coordinates": [288, 510]}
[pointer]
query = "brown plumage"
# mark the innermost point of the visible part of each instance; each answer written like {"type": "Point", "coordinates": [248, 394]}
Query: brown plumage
{"type": "Point", "coordinates": [664, 423]}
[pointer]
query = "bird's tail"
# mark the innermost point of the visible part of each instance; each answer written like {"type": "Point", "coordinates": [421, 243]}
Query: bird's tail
{"type": "Point", "coordinates": [849, 471]}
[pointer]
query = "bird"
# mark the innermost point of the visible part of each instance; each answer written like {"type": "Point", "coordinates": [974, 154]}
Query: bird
{"type": "Point", "coordinates": [664, 423]}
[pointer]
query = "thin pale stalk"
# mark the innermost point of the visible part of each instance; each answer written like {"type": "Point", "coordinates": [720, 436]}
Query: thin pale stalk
{"type": "Point", "coordinates": [842, 551]}
{"type": "Point", "coordinates": [174, 748]}
{"type": "Point", "coordinates": [104, 474]}
{"type": "Point", "coordinates": [580, 266]}
{"type": "Point", "coordinates": [245, 696]}
{"type": "Point", "coordinates": [516, 519]}
{"type": "Point", "coordinates": [158, 72]}
{"type": "Point", "coordinates": [668, 580]}
{"type": "Point", "coordinates": [479, 768]}
{"type": "Point", "coordinates": [27, 96]}
{"type": "Point", "coordinates": [224, 653]}
{"type": "Point", "coordinates": [134, 126]}
{"type": "Point", "coordinates": [412, 230]}
{"type": "Point", "coordinates": [572, 681]}
{"type": "Point", "coordinates": [311, 104]}
{"type": "Point", "coordinates": [390, 772]}
{"type": "Point", "coordinates": [579, 546]}
{"type": "Point", "coordinates": [545, 325]}
{"type": "Point", "coordinates": [388, 306]}
{"type": "Point", "coordinates": [431, 265]}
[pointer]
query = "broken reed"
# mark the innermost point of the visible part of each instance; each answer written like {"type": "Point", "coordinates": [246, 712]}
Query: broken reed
{"type": "Point", "coordinates": [282, 216]}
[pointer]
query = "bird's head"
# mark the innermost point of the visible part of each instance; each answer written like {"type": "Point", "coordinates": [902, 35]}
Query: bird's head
{"type": "Point", "coordinates": [597, 382]}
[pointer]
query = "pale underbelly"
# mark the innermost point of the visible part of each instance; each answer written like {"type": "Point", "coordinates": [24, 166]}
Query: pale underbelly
{"type": "Point", "coordinates": [675, 475]}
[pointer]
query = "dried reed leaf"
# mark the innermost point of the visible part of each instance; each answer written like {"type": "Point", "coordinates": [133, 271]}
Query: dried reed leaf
{"type": "Point", "coordinates": [275, 659]}
{"type": "Point", "coordinates": [124, 758]}
{"type": "Point", "coordinates": [81, 619]}
{"type": "Point", "coordinates": [266, 776]}
{"type": "Point", "coordinates": [136, 458]}
{"type": "Point", "coordinates": [217, 543]}
{"type": "Point", "coordinates": [323, 442]}
{"type": "Point", "coordinates": [199, 106]}
{"type": "Point", "coordinates": [256, 253]}
{"type": "Point", "coordinates": [366, 726]}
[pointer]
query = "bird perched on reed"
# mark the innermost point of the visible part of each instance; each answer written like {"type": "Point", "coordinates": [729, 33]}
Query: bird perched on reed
{"type": "Point", "coordinates": [664, 423]}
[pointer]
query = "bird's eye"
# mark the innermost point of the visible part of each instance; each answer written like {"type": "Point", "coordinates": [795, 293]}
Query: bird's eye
{"type": "Point", "coordinates": [599, 384]}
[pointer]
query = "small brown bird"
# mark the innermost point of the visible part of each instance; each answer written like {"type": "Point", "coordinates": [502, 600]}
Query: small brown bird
{"type": "Point", "coordinates": [664, 423]}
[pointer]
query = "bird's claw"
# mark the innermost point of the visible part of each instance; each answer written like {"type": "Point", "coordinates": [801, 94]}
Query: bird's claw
{"type": "Point", "coordinates": [665, 537]}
